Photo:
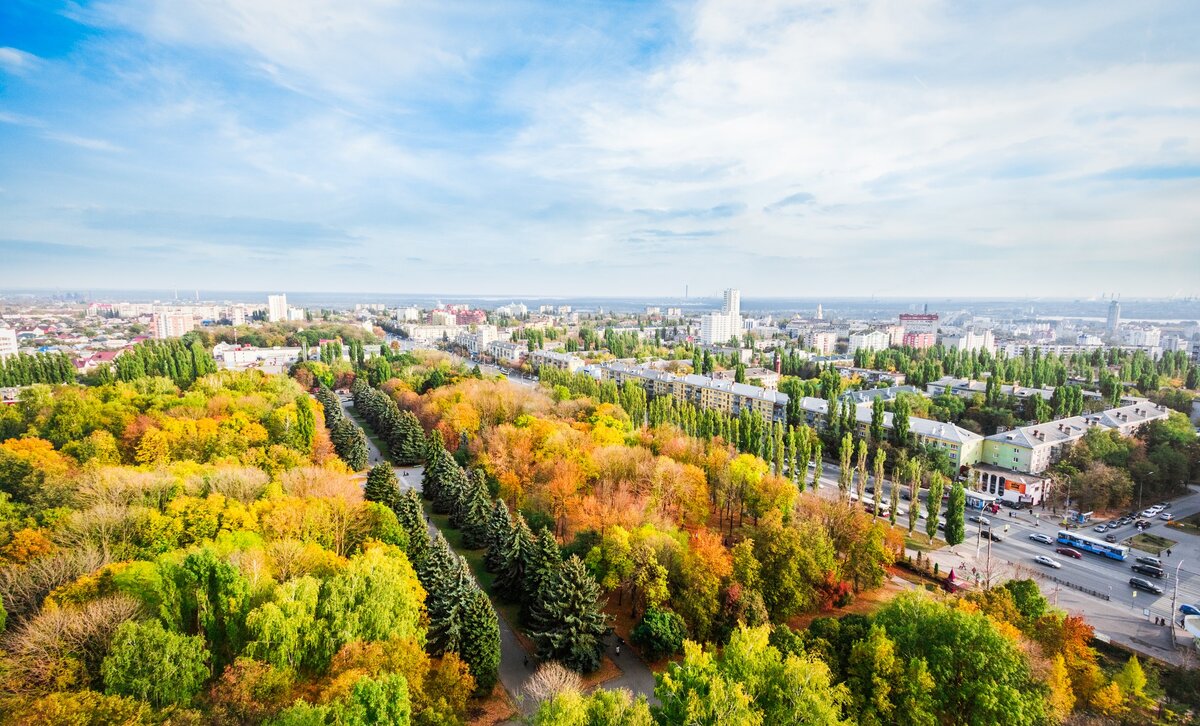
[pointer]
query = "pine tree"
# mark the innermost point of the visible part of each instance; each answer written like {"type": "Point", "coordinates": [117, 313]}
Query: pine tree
{"type": "Point", "coordinates": [567, 623]}
{"type": "Point", "coordinates": [382, 486]}
{"type": "Point", "coordinates": [518, 548]}
{"type": "Point", "coordinates": [412, 519]}
{"type": "Point", "coordinates": [452, 493]}
{"type": "Point", "coordinates": [437, 464]}
{"type": "Point", "coordinates": [499, 529]}
{"type": "Point", "coordinates": [448, 585]}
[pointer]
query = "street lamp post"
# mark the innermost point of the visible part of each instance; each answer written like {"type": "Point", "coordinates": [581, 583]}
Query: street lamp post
{"type": "Point", "coordinates": [1174, 603]}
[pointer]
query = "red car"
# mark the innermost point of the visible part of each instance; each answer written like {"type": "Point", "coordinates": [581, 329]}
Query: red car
{"type": "Point", "coordinates": [1068, 552]}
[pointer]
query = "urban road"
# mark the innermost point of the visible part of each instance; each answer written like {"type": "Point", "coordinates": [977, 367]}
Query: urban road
{"type": "Point", "coordinates": [1095, 586]}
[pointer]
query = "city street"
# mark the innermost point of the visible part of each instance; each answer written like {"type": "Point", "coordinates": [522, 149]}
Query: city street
{"type": "Point", "coordinates": [1124, 617]}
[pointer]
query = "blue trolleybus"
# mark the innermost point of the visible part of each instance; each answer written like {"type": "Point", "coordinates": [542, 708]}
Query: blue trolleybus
{"type": "Point", "coordinates": [1091, 544]}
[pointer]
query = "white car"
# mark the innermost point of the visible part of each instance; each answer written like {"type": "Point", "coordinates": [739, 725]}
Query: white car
{"type": "Point", "coordinates": [1043, 538]}
{"type": "Point", "coordinates": [1167, 516]}
{"type": "Point", "coordinates": [1047, 561]}
{"type": "Point", "coordinates": [1150, 513]}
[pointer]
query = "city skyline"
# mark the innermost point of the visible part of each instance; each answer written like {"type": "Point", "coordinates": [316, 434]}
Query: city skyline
{"type": "Point", "coordinates": [627, 148]}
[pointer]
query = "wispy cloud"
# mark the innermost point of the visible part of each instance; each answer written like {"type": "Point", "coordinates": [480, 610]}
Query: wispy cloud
{"type": "Point", "coordinates": [498, 146]}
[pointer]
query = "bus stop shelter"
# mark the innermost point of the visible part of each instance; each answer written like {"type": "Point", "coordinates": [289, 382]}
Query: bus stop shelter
{"type": "Point", "coordinates": [982, 500]}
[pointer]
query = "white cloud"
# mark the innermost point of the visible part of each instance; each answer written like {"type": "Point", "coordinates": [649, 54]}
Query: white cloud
{"type": "Point", "coordinates": [17, 61]}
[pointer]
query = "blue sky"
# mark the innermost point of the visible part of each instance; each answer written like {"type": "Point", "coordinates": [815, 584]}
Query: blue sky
{"type": "Point", "coordinates": [604, 148]}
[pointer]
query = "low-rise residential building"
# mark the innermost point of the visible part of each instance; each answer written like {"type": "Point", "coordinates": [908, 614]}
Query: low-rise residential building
{"type": "Point", "coordinates": [966, 388]}
{"type": "Point", "coordinates": [554, 359]}
{"type": "Point", "coordinates": [868, 395]}
{"type": "Point", "coordinates": [476, 341]}
{"type": "Point", "coordinates": [962, 447]}
{"type": "Point", "coordinates": [870, 375]}
{"type": "Point", "coordinates": [507, 351]}
{"type": "Point", "coordinates": [1033, 449]}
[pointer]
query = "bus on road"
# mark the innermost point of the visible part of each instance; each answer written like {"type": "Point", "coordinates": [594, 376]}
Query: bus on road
{"type": "Point", "coordinates": [1091, 544]}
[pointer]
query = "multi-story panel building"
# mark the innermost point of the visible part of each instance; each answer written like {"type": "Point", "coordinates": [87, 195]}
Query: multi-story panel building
{"type": "Point", "coordinates": [507, 351]}
{"type": "Point", "coordinates": [725, 396]}
{"type": "Point", "coordinates": [277, 308]}
{"type": "Point", "coordinates": [172, 323]}
{"type": "Point", "coordinates": [869, 340]}
{"type": "Point", "coordinates": [552, 359]}
{"type": "Point", "coordinates": [1033, 449]}
{"type": "Point", "coordinates": [971, 340]}
{"type": "Point", "coordinates": [8, 343]}
{"type": "Point", "coordinates": [824, 342]}
{"type": "Point", "coordinates": [919, 341]}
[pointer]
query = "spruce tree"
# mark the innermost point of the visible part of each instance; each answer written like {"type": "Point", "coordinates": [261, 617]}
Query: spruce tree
{"type": "Point", "coordinates": [448, 590]}
{"type": "Point", "coordinates": [518, 548]}
{"type": "Point", "coordinates": [451, 492]}
{"type": "Point", "coordinates": [476, 511]}
{"type": "Point", "coordinates": [437, 465]}
{"type": "Point", "coordinates": [480, 648]}
{"type": "Point", "coordinates": [567, 623]}
{"type": "Point", "coordinates": [382, 486]}
{"type": "Point", "coordinates": [499, 529]}
{"type": "Point", "coordinates": [544, 562]}
{"type": "Point", "coordinates": [407, 442]}
{"type": "Point", "coordinates": [412, 519]}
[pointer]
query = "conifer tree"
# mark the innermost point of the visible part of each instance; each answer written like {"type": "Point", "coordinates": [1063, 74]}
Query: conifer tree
{"type": "Point", "coordinates": [518, 548]}
{"type": "Point", "coordinates": [449, 586]}
{"type": "Point", "coordinates": [451, 493]}
{"type": "Point", "coordinates": [437, 463]}
{"type": "Point", "coordinates": [544, 561]}
{"type": "Point", "coordinates": [499, 529]}
{"type": "Point", "coordinates": [480, 639]}
{"type": "Point", "coordinates": [382, 486]}
{"type": "Point", "coordinates": [407, 442]}
{"type": "Point", "coordinates": [567, 622]}
{"type": "Point", "coordinates": [412, 519]}
{"type": "Point", "coordinates": [476, 511]}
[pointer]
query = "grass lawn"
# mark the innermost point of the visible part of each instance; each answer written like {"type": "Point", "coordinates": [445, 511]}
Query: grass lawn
{"type": "Point", "coordinates": [921, 543]}
{"type": "Point", "coordinates": [1151, 543]}
{"type": "Point", "coordinates": [1191, 524]}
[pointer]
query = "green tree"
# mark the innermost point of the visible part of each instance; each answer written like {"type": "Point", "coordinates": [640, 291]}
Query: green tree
{"type": "Point", "coordinates": [518, 550]}
{"type": "Point", "coordinates": [499, 529]}
{"type": "Point", "coordinates": [382, 485]}
{"type": "Point", "coordinates": [480, 648]}
{"type": "Point", "coordinates": [659, 634]}
{"type": "Point", "coordinates": [937, 484]}
{"type": "Point", "coordinates": [568, 623]}
{"type": "Point", "coordinates": [283, 631]}
{"type": "Point", "coordinates": [900, 425]}
{"type": "Point", "coordinates": [412, 518]}
{"type": "Point", "coordinates": [873, 673]}
{"type": "Point", "coordinates": [376, 597]}
{"type": "Point", "coordinates": [956, 525]}
{"type": "Point", "coordinates": [880, 462]}
{"type": "Point", "coordinates": [306, 425]}
{"type": "Point", "coordinates": [845, 471]}
{"type": "Point", "coordinates": [154, 665]}
{"type": "Point", "coordinates": [475, 513]}
{"type": "Point", "coordinates": [877, 421]}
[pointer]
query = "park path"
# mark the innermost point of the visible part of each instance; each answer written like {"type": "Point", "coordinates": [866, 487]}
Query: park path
{"type": "Point", "coordinates": [516, 665]}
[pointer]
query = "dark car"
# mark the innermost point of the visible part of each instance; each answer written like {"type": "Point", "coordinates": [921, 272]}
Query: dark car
{"type": "Point", "coordinates": [1068, 552]}
{"type": "Point", "coordinates": [1138, 583]}
{"type": "Point", "coordinates": [995, 536]}
{"type": "Point", "coordinates": [1110, 538]}
{"type": "Point", "coordinates": [1150, 570]}
{"type": "Point", "coordinates": [1147, 560]}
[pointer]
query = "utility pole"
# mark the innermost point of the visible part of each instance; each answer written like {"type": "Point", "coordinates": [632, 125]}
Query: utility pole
{"type": "Point", "coordinates": [988, 586]}
{"type": "Point", "coordinates": [1175, 604]}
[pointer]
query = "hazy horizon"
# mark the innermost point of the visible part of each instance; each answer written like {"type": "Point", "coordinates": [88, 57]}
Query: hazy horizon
{"type": "Point", "coordinates": [873, 149]}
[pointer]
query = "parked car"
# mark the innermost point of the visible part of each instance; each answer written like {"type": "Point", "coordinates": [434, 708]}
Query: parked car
{"type": "Point", "coordinates": [1139, 583]}
{"type": "Point", "coordinates": [1043, 538]}
{"type": "Point", "coordinates": [1166, 516]}
{"type": "Point", "coordinates": [1148, 560]}
{"type": "Point", "coordinates": [1047, 561]}
{"type": "Point", "coordinates": [1101, 528]}
{"type": "Point", "coordinates": [1150, 570]}
{"type": "Point", "coordinates": [1110, 537]}
{"type": "Point", "coordinates": [1068, 552]}
{"type": "Point", "coordinates": [1148, 513]}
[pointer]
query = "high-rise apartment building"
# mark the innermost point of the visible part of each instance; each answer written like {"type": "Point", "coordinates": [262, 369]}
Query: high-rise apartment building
{"type": "Point", "coordinates": [172, 323]}
{"type": "Point", "coordinates": [718, 328]}
{"type": "Point", "coordinates": [277, 308]}
{"type": "Point", "coordinates": [1114, 317]}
